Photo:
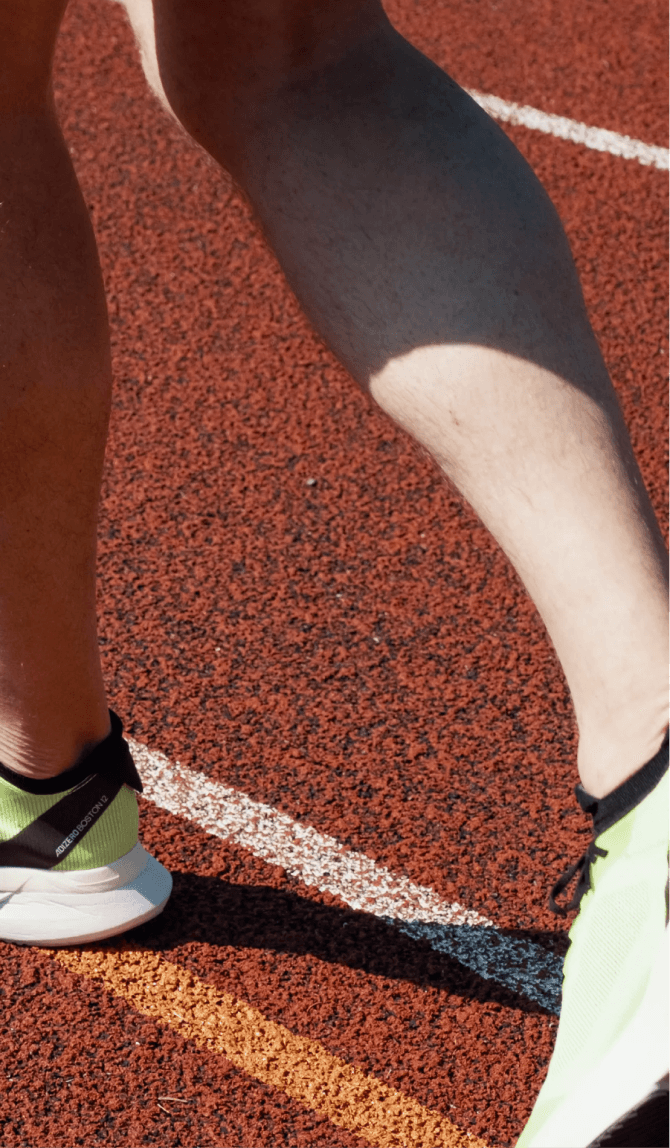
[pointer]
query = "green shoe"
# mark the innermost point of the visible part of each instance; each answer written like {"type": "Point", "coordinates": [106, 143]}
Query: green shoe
{"type": "Point", "coordinates": [605, 1084]}
{"type": "Point", "coordinates": [71, 867]}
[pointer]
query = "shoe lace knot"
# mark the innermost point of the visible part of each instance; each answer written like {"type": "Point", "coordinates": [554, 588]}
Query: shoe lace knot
{"type": "Point", "coordinates": [583, 867]}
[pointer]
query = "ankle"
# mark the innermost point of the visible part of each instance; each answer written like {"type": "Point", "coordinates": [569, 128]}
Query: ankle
{"type": "Point", "coordinates": [42, 757]}
{"type": "Point", "coordinates": [605, 765]}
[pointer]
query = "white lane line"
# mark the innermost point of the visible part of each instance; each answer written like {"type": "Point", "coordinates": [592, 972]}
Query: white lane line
{"type": "Point", "coordinates": [598, 139]}
{"type": "Point", "coordinates": [323, 862]}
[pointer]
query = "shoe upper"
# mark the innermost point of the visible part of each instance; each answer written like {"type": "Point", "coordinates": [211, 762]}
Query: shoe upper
{"type": "Point", "coordinates": [84, 818]}
{"type": "Point", "coordinates": [621, 895]}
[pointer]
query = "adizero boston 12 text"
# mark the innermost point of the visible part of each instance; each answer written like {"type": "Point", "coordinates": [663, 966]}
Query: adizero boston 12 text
{"type": "Point", "coordinates": [71, 867]}
{"type": "Point", "coordinates": [607, 1080]}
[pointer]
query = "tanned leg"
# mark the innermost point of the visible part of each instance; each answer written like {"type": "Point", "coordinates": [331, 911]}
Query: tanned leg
{"type": "Point", "coordinates": [55, 385]}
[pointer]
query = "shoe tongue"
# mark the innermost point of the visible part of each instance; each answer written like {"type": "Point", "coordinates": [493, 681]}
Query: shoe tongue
{"type": "Point", "coordinates": [607, 810]}
{"type": "Point", "coordinates": [588, 803]}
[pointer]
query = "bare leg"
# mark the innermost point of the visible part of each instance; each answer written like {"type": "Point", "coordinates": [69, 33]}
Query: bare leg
{"type": "Point", "coordinates": [431, 260]}
{"type": "Point", "coordinates": [55, 386]}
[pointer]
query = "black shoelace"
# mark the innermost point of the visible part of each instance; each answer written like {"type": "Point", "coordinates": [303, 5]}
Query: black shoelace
{"type": "Point", "coordinates": [606, 811]}
{"type": "Point", "coordinates": [583, 867]}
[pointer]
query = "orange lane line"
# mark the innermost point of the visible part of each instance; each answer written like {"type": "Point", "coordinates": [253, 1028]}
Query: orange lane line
{"type": "Point", "coordinates": [300, 1068]}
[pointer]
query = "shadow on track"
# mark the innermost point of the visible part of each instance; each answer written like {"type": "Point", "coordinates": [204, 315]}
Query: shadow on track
{"type": "Point", "coordinates": [213, 912]}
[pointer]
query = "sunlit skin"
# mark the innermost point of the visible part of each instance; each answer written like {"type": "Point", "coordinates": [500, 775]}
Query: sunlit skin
{"type": "Point", "coordinates": [427, 255]}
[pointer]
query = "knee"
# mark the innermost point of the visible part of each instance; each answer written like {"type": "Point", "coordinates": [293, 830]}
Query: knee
{"type": "Point", "coordinates": [215, 65]}
{"type": "Point", "coordinates": [140, 14]}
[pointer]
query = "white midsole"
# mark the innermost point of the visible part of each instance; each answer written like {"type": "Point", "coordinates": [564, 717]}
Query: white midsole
{"type": "Point", "coordinates": [14, 879]}
{"type": "Point", "coordinates": [75, 912]}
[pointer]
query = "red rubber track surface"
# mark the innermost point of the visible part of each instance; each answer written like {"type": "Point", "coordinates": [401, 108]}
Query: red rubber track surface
{"type": "Point", "coordinates": [355, 652]}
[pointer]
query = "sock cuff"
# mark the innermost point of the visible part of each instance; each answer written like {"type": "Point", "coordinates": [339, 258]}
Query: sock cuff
{"type": "Point", "coordinates": [615, 805]}
{"type": "Point", "coordinates": [110, 759]}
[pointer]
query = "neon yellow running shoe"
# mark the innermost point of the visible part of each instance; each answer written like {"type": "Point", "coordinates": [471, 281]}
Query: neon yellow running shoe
{"type": "Point", "coordinates": [71, 867]}
{"type": "Point", "coordinates": [607, 1080]}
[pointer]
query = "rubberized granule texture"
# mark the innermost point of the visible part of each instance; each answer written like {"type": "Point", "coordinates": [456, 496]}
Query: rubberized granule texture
{"type": "Point", "coordinates": [294, 603]}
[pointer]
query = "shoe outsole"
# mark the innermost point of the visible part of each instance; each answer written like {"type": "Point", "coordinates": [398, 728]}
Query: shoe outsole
{"type": "Point", "coordinates": [95, 912]}
{"type": "Point", "coordinates": [646, 1125]}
